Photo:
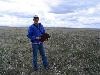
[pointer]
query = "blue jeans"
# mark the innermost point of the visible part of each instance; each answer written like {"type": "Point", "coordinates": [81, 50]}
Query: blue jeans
{"type": "Point", "coordinates": [41, 49]}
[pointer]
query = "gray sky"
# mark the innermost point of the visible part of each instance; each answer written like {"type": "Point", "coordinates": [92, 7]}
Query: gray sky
{"type": "Point", "coordinates": [52, 13]}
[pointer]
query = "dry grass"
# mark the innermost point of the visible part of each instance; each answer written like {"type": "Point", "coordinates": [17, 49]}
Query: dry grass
{"type": "Point", "coordinates": [69, 51]}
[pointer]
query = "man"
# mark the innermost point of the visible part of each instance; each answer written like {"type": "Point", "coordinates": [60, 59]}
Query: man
{"type": "Point", "coordinates": [34, 33]}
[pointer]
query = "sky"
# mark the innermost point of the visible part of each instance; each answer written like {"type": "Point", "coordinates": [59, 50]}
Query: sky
{"type": "Point", "coordinates": [52, 13]}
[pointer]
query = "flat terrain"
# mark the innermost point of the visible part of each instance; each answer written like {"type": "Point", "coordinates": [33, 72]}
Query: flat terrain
{"type": "Point", "coordinates": [70, 51]}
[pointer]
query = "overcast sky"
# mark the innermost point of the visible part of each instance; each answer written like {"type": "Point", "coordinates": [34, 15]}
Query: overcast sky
{"type": "Point", "coordinates": [52, 13]}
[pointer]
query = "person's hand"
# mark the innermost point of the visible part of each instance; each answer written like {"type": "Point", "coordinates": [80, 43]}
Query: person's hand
{"type": "Point", "coordinates": [38, 38]}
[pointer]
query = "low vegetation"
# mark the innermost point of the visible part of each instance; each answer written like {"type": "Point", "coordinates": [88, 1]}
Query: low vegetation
{"type": "Point", "coordinates": [70, 51]}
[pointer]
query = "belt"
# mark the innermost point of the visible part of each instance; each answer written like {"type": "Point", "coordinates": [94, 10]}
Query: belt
{"type": "Point", "coordinates": [37, 43]}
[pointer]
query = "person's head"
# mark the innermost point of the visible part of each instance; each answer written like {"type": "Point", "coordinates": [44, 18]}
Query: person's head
{"type": "Point", "coordinates": [35, 19]}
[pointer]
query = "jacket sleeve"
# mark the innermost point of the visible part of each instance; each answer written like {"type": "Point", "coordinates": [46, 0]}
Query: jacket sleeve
{"type": "Point", "coordinates": [30, 34]}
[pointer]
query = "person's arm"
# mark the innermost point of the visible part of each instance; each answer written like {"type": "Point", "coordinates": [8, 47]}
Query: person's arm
{"type": "Point", "coordinates": [30, 34]}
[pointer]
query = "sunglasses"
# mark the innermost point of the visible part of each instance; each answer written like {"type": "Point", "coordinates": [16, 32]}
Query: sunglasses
{"type": "Point", "coordinates": [36, 17]}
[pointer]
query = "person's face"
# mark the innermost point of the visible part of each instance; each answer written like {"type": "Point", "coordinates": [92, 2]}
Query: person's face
{"type": "Point", "coordinates": [36, 20]}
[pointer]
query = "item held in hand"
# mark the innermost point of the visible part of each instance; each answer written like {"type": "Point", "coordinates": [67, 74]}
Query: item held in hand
{"type": "Point", "coordinates": [44, 37]}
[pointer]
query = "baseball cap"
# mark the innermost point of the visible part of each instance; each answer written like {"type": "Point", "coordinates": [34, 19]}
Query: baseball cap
{"type": "Point", "coordinates": [35, 16]}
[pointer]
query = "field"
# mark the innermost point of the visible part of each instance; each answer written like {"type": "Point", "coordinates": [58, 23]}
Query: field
{"type": "Point", "coordinates": [70, 51]}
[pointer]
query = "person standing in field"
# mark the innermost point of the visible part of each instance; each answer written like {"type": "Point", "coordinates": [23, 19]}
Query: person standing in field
{"type": "Point", "coordinates": [34, 35]}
